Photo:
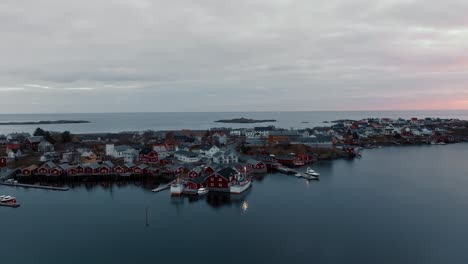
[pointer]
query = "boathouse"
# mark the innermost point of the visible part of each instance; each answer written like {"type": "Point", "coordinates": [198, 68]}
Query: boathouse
{"type": "Point", "coordinates": [148, 155]}
{"type": "Point", "coordinates": [3, 162]}
{"type": "Point", "coordinates": [256, 166]}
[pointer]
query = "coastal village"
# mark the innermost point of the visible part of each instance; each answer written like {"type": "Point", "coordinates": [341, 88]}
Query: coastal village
{"type": "Point", "coordinates": [198, 161]}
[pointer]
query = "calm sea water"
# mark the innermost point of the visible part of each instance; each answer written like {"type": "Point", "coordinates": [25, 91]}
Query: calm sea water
{"type": "Point", "coordinates": [117, 122]}
{"type": "Point", "coordinates": [395, 205]}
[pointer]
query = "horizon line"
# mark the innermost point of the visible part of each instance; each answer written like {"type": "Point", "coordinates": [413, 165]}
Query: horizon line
{"type": "Point", "coordinates": [270, 111]}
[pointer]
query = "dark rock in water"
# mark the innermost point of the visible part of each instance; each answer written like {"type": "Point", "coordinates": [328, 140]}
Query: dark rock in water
{"type": "Point", "coordinates": [45, 122]}
{"type": "Point", "coordinates": [245, 120]}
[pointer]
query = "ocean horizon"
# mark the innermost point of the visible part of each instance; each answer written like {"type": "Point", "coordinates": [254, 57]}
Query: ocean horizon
{"type": "Point", "coordinates": [141, 121]}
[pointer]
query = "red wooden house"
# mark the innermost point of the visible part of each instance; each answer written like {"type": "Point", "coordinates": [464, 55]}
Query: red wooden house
{"type": "Point", "coordinates": [290, 160]}
{"type": "Point", "coordinates": [34, 142]}
{"type": "Point", "coordinates": [105, 170]}
{"type": "Point", "coordinates": [79, 169]}
{"type": "Point", "coordinates": [30, 170]}
{"type": "Point", "coordinates": [255, 166]}
{"type": "Point", "coordinates": [220, 180]}
{"type": "Point", "coordinates": [195, 183]}
{"type": "Point", "coordinates": [148, 155]}
{"type": "Point", "coordinates": [46, 168]}
{"type": "Point", "coordinates": [175, 169]}
{"type": "Point", "coordinates": [3, 162]}
{"type": "Point", "coordinates": [72, 171]}
{"type": "Point", "coordinates": [141, 169]}
{"type": "Point", "coordinates": [306, 158]}
{"type": "Point", "coordinates": [195, 172]}
{"type": "Point", "coordinates": [119, 169]}
{"type": "Point", "coordinates": [209, 170]}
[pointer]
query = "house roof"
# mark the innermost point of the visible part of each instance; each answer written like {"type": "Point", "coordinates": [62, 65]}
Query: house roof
{"type": "Point", "coordinates": [122, 148]}
{"type": "Point", "coordinates": [206, 147]}
{"type": "Point", "coordinates": [108, 164]}
{"type": "Point", "coordinates": [146, 151]}
{"type": "Point", "coordinates": [65, 166]}
{"type": "Point", "coordinates": [93, 165]}
{"type": "Point", "coordinates": [174, 167]}
{"type": "Point", "coordinates": [142, 166]}
{"type": "Point", "coordinates": [227, 172]}
{"type": "Point", "coordinates": [186, 153]}
{"type": "Point", "coordinates": [197, 169]}
{"type": "Point", "coordinates": [253, 162]}
{"type": "Point", "coordinates": [50, 164]}
{"type": "Point", "coordinates": [129, 165]}
{"type": "Point", "coordinates": [30, 167]}
{"type": "Point", "coordinates": [35, 139]}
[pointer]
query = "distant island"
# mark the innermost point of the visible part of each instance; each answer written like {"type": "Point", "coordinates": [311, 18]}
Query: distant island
{"type": "Point", "coordinates": [244, 120]}
{"type": "Point", "coordinates": [45, 122]}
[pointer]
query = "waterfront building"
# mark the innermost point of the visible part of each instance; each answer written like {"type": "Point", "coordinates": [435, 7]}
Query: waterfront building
{"type": "Point", "coordinates": [3, 162]}
{"type": "Point", "coordinates": [148, 155]}
{"type": "Point", "coordinates": [255, 166]}
{"type": "Point", "coordinates": [225, 157]}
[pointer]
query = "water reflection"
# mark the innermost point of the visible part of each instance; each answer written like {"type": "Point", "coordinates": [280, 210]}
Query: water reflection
{"type": "Point", "coordinates": [245, 207]}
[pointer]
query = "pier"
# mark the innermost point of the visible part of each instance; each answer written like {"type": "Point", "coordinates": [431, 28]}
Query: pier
{"type": "Point", "coordinates": [163, 187]}
{"type": "Point", "coordinates": [285, 170]}
{"type": "Point", "coordinates": [34, 186]}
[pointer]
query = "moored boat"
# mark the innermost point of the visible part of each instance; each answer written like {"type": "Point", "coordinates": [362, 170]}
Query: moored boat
{"type": "Point", "coordinates": [6, 199]}
{"type": "Point", "coordinates": [240, 186]}
{"type": "Point", "coordinates": [202, 191]}
{"type": "Point", "coordinates": [311, 172]}
{"type": "Point", "coordinates": [310, 177]}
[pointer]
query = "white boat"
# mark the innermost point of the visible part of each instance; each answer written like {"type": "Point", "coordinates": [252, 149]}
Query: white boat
{"type": "Point", "coordinates": [241, 186]}
{"type": "Point", "coordinates": [311, 172]}
{"type": "Point", "coordinates": [7, 199]}
{"type": "Point", "coordinates": [202, 191]}
{"type": "Point", "coordinates": [298, 175]}
{"type": "Point", "coordinates": [11, 181]}
{"type": "Point", "coordinates": [310, 177]}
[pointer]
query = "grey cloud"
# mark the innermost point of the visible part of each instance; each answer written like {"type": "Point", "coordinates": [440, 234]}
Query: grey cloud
{"type": "Point", "coordinates": [251, 54]}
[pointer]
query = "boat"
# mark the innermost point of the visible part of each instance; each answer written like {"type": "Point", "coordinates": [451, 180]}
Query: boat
{"type": "Point", "coordinates": [240, 186]}
{"type": "Point", "coordinates": [11, 181]}
{"type": "Point", "coordinates": [202, 191]}
{"type": "Point", "coordinates": [311, 172]}
{"type": "Point", "coordinates": [298, 175]}
{"type": "Point", "coordinates": [6, 199]}
{"type": "Point", "coordinates": [310, 177]}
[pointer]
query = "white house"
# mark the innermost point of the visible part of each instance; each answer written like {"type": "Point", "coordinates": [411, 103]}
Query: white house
{"type": "Point", "coordinates": [162, 150]}
{"type": "Point", "coordinates": [13, 153]}
{"type": "Point", "coordinates": [45, 146]}
{"type": "Point", "coordinates": [186, 156]}
{"type": "Point", "coordinates": [225, 157]}
{"type": "Point", "coordinates": [209, 150]}
{"type": "Point", "coordinates": [235, 132]}
{"type": "Point", "coordinates": [128, 153]}
{"type": "Point", "coordinates": [259, 132]}
{"type": "Point", "coordinates": [221, 138]}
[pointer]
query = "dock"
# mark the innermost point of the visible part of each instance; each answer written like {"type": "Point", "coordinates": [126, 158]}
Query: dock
{"type": "Point", "coordinates": [163, 187]}
{"type": "Point", "coordinates": [34, 186]}
{"type": "Point", "coordinates": [285, 170]}
{"type": "Point", "coordinates": [12, 205]}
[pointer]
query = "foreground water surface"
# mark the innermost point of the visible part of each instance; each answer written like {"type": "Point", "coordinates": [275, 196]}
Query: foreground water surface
{"type": "Point", "coordinates": [395, 205]}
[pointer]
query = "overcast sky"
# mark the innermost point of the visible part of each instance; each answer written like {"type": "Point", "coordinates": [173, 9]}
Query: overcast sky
{"type": "Point", "coordinates": [243, 55]}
